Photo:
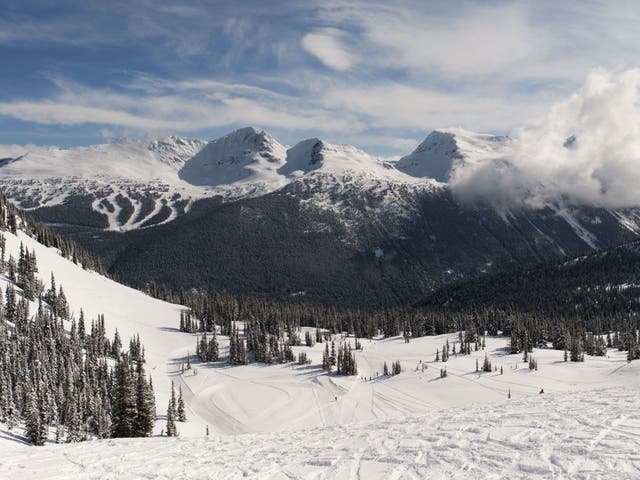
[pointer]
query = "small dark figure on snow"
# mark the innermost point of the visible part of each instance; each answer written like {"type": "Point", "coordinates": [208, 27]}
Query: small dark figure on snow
{"type": "Point", "coordinates": [541, 390]}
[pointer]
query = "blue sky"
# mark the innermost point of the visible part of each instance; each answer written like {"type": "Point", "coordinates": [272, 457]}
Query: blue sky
{"type": "Point", "coordinates": [376, 74]}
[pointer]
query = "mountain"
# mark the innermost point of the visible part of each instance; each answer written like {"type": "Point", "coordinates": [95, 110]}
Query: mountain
{"type": "Point", "coordinates": [328, 221]}
{"type": "Point", "coordinates": [317, 156]}
{"type": "Point", "coordinates": [126, 184]}
{"type": "Point", "coordinates": [131, 184]}
{"type": "Point", "coordinates": [445, 151]}
{"type": "Point", "coordinates": [245, 159]}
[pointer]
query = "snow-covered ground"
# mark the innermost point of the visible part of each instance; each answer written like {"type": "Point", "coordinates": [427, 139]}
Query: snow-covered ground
{"type": "Point", "coordinates": [591, 434]}
{"type": "Point", "coordinates": [259, 398]}
{"type": "Point", "coordinates": [291, 421]}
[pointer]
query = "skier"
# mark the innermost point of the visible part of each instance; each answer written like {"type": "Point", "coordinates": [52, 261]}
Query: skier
{"type": "Point", "coordinates": [541, 391]}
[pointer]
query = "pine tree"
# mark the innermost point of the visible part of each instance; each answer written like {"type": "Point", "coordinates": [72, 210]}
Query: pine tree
{"type": "Point", "coordinates": [35, 428]}
{"type": "Point", "coordinates": [486, 366]}
{"type": "Point", "coordinates": [181, 413]}
{"type": "Point", "coordinates": [116, 345]}
{"type": "Point", "coordinates": [124, 401]}
{"type": "Point", "coordinates": [145, 403]}
{"type": "Point", "coordinates": [213, 348]}
{"type": "Point", "coordinates": [332, 357]}
{"type": "Point", "coordinates": [171, 424]}
{"type": "Point", "coordinates": [326, 361]}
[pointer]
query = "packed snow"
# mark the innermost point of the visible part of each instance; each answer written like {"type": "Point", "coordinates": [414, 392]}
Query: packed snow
{"type": "Point", "coordinates": [587, 435]}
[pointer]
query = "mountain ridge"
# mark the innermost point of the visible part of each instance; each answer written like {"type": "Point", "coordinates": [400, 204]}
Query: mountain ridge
{"type": "Point", "coordinates": [316, 218]}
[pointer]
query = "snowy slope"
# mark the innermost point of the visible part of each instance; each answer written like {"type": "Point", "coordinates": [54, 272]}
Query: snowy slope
{"type": "Point", "coordinates": [256, 398]}
{"type": "Point", "coordinates": [128, 310]}
{"type": "Point", "coordinates": [588, 435]}
{"type": "Point", "coordinates": [259, 398]}
{"type": "Point", "coordinates": [140, 177]}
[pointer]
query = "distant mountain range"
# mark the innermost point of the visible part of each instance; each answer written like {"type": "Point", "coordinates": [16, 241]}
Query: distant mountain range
{"type": "Point", "coordinates": [247, 214]}
{"type": "Point", "coordinates": [133, 184]}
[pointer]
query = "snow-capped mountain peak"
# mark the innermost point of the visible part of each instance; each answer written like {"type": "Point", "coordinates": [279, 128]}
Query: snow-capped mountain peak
{"type": "Point", "coordinates": [245, 156]}
{"type": "Point", "coordinates": [315, 155]}
{"type": "Point", "coordinates": [124, 158]}
{"type": "Point", "coordinates": [446, 150]}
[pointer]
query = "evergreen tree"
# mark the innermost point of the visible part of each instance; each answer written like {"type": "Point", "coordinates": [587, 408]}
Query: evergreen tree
{"type": "Point", "coordinates": [180, 411]}
{"type": "Point", "coordinates": [171, 423]}
{"type": "Point", "coordinates": [35, 428]}
{"type": "Point", "coordinates": [145, 403]}
{"type": "Point", "coordinates": [486, 366]}
{"type": "Point", "coordinates": [124, 401]}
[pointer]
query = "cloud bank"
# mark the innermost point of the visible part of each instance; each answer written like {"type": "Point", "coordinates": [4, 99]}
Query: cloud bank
{"type": "Point", "coordinates": [586, 150]}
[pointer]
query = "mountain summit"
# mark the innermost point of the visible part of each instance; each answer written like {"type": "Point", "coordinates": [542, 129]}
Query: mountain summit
{"type": "Point", "coordinates": [245, 156]}
{"type": "Point", "coordinates": [446, 150]}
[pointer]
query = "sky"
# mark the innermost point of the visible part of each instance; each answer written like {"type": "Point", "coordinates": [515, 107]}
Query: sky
{"type": "Point", "coordinates": [376, 74]}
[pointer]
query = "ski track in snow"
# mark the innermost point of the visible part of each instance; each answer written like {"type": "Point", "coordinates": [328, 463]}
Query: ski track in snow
{"type": "Point", "coordinates": [587, 435]}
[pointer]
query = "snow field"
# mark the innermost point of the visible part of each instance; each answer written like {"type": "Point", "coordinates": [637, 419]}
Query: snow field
{"type": "Point", "coordinates": [591, 434]}
{"type": "Point", "coordinates": [261, 398]}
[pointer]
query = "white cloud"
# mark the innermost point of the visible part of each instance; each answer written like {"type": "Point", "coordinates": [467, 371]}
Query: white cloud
{"type": "Point", "coordinates": [191, 105]}
{"type": "Point", "coordinates": [396, 105]}
{"type": "Point", "coordinates": [601, 166]}
{"type": "Point", "coordinates": [326, 45]}
{"type": "Point", "coordinates": [390, 71]}
{"type": "Point", "coordinates": [55, 113]}
{"type": "Point", "coordinates": [473, 41]}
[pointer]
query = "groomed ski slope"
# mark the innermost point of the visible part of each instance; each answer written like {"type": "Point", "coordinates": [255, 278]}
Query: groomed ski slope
{"type": "Point", "coordinates": [260, 398]}
{"type": "Point", "coordinates": [589, 435]}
